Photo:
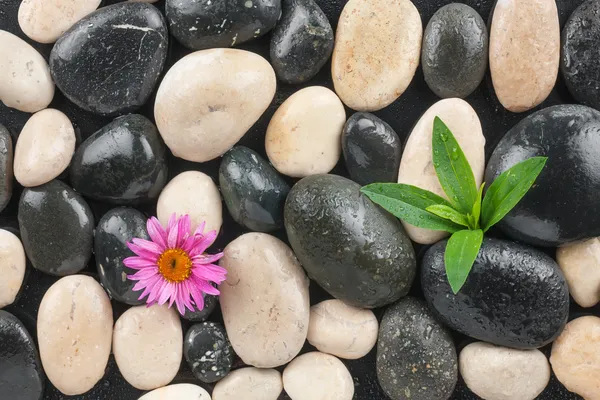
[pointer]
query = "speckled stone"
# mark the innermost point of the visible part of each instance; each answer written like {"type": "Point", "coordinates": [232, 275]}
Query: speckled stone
{"type": "Point", "coordinates": [210, 303]}
{"type": "Point", "coordinates": [179, 391]}
{"type": "Point", "coordinates": [109, 62]}
{"type": "Point", "coordinates": [208, 352]}
{"type": "Point", "coordinates": [416, 358]}
{"type": "Point", "coordinates": [12, 267]}
{"type": "Point", "coordinates": [302, 41]}
{"type": "Point", "coordinates": [580, 263]}
{"type": "Point", "coordinates": [254, 383]}
{"type": "Point", "coordinates": [6, 167]}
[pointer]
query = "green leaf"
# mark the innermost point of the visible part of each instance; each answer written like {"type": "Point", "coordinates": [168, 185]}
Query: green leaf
{"type": "Point", "coordinates": [409, 203]}
{"type": "Point", "coordinates": [452, 168]}
{"type": "Point", "coordinates": [461, 252]}
{"type": "Point", "coordinates": [476, 212]}
{"type": "Point", "coordinates": [449, 213]}
{"type": "Point", "coordinates": [508, 189]}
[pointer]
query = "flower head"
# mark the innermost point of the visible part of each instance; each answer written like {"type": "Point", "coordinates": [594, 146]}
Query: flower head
{"type": "Point", "coordinates": [173, 265]}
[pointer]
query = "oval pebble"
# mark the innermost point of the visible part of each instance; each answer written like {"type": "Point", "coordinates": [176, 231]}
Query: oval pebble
{"type": "Point", "coordinates": [208, 352]}
{"type": "Point", "coordinates": [580, 263]}
{"type": "Point", "coordinates": [6, 167]}
{"type": "Point", "coordinates": [254, 383]}
{"type": "Point", "coordinates": [179, 391]}
{"type": "Point", "coordinates": [12, 267]}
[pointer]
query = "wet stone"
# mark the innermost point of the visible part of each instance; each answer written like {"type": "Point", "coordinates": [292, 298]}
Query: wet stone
{"type": "Point", "coordinates": [208, 352]}
{"type": "Point", "coordinates": [6, 167]}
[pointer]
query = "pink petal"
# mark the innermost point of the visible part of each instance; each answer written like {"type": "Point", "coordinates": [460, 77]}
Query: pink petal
{"type": "Point", "coordinates": [145, 273]}
{"type": "Point", "coordinates": [183, 230]}
{"type": "Point", "coordinates": [166, 292]}
{"type": "Point", "coordinates": [147, 245]}
{"type": "Point", "coordinates": [172, 235]}
{"type": "Point", "coordinates": [157, 232]}
{"type": "Point", "coordinates": [210, 272]}
{"type": "Point", "coordinates": [198, 297]}
{"type": "Point", "coordinates": [180, 307]}
{"type": "Point", "coordinates": [151, 256]}
{"type": "Point", "coordinates": [200, 229]}
{"type": "Point", "coordinates": [204, 244]}
{"type": "Point", "coordinates": [138, 263]}
{"type": "Point", "coordinates": [157, 290]}
{"type": "Point", "coordinates": [204, 286]}
{"type": "Point", "coordinates": [150, 285]}
{"type": "Point", "coordinates": [207, 258]}
{"type": "Point", "coordinates": [187, 295]}
{"type": "Point", "coordinates": [174, 297]}
{"type": "Point", "coordinates": [188, 244]}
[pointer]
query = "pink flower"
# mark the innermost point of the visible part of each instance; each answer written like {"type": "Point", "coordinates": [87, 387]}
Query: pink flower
{"type": "Point", "coordinates": [173, 266]}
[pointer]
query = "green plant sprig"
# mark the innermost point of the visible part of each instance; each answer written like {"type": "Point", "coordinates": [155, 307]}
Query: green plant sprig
{"type": "Point", "coordinates": [467, 214]}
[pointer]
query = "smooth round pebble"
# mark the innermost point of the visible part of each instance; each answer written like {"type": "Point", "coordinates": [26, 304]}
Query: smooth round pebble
{"type": "Point", "coordinates": [6, 167]}
{"type": "Point", "coordinates": [180, 391]}
{"type": "Point", "coordinates": [580, 263]}
{"type": "Point", "coordinates": [12, 267]}
{"type": "Point", "coordinates": [253, 383]}
{"type": "Point", "coordinates": [342, 330]}
{"type": "Point", "coordinates": [208, 352]}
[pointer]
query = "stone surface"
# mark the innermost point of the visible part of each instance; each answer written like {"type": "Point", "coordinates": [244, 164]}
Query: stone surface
{"type": "Point", "coordinates": [123, 163]}
{"type": "Point", "coordinates": [114, 230]}
{"type": "Point", "coordinates": [352, 248]}
{"type": "Point", "coordinates": [225, 23]}
{"type": "Point", "coordinates": [179, 391]}
{"type": "Point", "coordinates": [210, 303]}
{"type": "Point", "coordinates": [344, 331]}
{"type": "Point", "coordinates": [6, 167]}
{"type": "Point", "coordinates": [266, 330]}
{"type": "Point", "coordinates": [208, 352]}
{"type": "Point", "coordinates": [304, 135]}
{"type": "Point", "coordinates": [580, 263]}
{"type": "Point", "coordinates": [44, 21]}
{"type": "Point", "coordinates": [253, 190]}
{"type": "Point", "coordinates": [254, 383]}
{"type": "Point", "coordinates": [44, 148]}
{"type": "Point", "coordinates": [22, 376]}
{"type": "Point", "coordinates": [302, 41]}
{"type": "Point", "coordinates": [318, 376]}
{"type": "Point", "coordinates": [376, 52]}
{"type": "Point", "coordinates": [500, 373]}
{"type": "Point", "coordinates": [57, 228]}
{"type": "Point", "coordinates": [569, 135]}
{"type": "Point", "coordinates": [372, 150]}
{"type": "Point", "coordinates": [416, 167]}
{"type": "Point", "coordinates": [455, 51]}
{"type": "Point", "coordinates": [12, 267]}
{"type": "Point", "coordinates": [515, 296]}
{"type": "Point", "coordinates": [524, 52]}
{"type": "Point", "coordinates": [147, 344]}
{"type": "Point", "coordinates": [193, 193]}
{"type": "Point", "coordinates": [109, 62]}
{"type": "Point", "coordinates": [25, 81]}
{"type": "Point", "coordinates": [416, 358]}
{"type": "Point", "coordinates": [74, 329]}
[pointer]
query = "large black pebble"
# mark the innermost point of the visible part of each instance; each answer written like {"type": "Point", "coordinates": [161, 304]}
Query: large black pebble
{"type": "Point", "coordinates": [109, 62]}
{"type": "Point", "coordinates": [6, 167]}
{"type": "Point", "coordinates": [210, 303]}
{"type": "Point", "coordinates": [208, 352]}
{"type": "Point", "coordinates": [515, 296]}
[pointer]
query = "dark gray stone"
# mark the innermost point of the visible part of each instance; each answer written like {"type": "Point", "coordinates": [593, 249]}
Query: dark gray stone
{"type": "Point", "coordinates": [208, 352]}
{"type": "Point", "coordinates": [123, 163]}
{"type": "Point", "coordinates": [253, 190]}
{"type": "Point", "coordinates": [416, 358]}
{"type": "Point", "coordinates": [6, 167]}
{"type": "Point", "coordinates": [302, 41]}
{"type": "Point", "coordinates": [210, 303]}
{"type": "Point", "coordinates": [356, 251]}
{"type": "Point", "coordinates": [372, 150]}
{"type": "Point", "coordinates": [57, 228]}
{"type": "Point", "coordinates": [515, 296]}
{"type": "Point", "coordinates": [455, 51]}
{"type": "Point", "coordinates": [109, 62]}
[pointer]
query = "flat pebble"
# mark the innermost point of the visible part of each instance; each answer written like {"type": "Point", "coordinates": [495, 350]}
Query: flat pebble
{"type": "Point", "coordinates": [179, 391]}
{"type": "Point", "coordinates": [252, 383]}
{"type": "Point", "coordinates": [12, 267]}
{"type": "Point", "coordinates": [208, 352]}
{"type": "Point", "coordinates": [6, 167]}
{"type": "Point", "coordinates": [580, 263]}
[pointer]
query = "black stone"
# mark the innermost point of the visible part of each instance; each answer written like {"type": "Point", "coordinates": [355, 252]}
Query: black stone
{"type": "Point", "coordinates": [6, 167]}
{"type": "Point", "coordinates": [515, 296]}
{"type": "Point", "coordinates": [372, 150]}
{"type": "Point", "coordinates": [455, 51]}
{"type": "Point", "coordinates": [302, 41]}
{"type": "Point", "coordinates": [562, 206]}
{"type": "Point", "coordinates": [21, 373]}
{"type": "Point", "coordinates": [210, 303]}
{"type": "Point", "coordinates": [357, 252]}
{"type": "Point", "coordinates": [210, 24]}
{"type": "Point", "coordinates": [416, 358]}
{"type": "Point", "coordinates": [109, 62]}
{"type": "Point", "coordinates": [253, 190]}
{"type": "Point", "coordinates": [57, 228]}
{"type": "Point", "coordinates": [122, 163]}
{"type": "Point", "coordinates": [208, 352]}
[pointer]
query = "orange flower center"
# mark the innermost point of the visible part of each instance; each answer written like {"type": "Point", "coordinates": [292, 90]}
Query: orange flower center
{"type": "Point", "coordinates": [175, 265]}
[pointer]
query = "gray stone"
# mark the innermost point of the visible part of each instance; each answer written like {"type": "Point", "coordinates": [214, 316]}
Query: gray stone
{"type": "Point", "coordinates": [6, 167]}
{"type": "Point", "coordinates": [208, 352]}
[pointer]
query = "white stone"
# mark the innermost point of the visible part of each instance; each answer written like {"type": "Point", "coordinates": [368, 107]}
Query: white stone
{"type": "Point", "coordinates": [193, 193]}
{"type": "Point", "coordinates": [304, 136]}
{"type": "Point", "coordinates": [12, 267]}
{"type": "Point", "coordinates": [264, 300]}
{"type": "Point", "coordinates": [74, 328]}
{"type": "Point", "coordinates": [181, 391]}
{"type": "Point", "coordinates": [580, 263]}
{"type": "Point", "coordinates": [44, 148]}
{"type": "Point", "coordinates": [342, 330]}
{"type": "Point", "coordinates": [148, 345]}
{"type": "Point", "coordinates": [45, 21]}
{"type": "Point", "coordinates": [249, 384]}
{"type": "Point", "coordinates": [318, 376]}
{"type": "Point", "coordinates": [416, 166]}
{"type": "Point", "coordinates": [209, 99]}
{"type": "Point", "coordinates": [499, 373]}
{"type": "Point", "coordinates": [25, 81]}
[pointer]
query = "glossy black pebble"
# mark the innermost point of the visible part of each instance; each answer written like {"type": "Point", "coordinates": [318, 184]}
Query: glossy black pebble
{"type": "Point", "coordinates": [210, 303]}
{"type": "Point", "coordinates": [208, 352]}
{"type": "Point", "coordinates": [6, 167]}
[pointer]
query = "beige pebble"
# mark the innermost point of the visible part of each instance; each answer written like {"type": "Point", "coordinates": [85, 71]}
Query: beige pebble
{"type": "Point", "coordinates": [524, 52]}
{"type": "Point", "coordinates": [209, 99]}
{"type": "Point", "coordinates": [44, 21]}
{"type": "Point", "coordinates": [44, 148]}
{"type": "Point", "coordinates": [74, 328]}
{"type": "Point", "coordinates": [342, 330]}
{"type": "Point", "coordinates": [575, 357]}
{"type": "Point", "coordinates": [12, 267]}
{"type": "Point", "coordinates": [580, 263]}
{"type": "Point", "coordinates": [499, 373]}
{"type": "Point", "coordinates": [318, 376]}
{"type": "Point", "coordinates": [264, 300]}
{"type": "Point", "coordinates": [416, 165]}
{"type": "Point", "coordinates": [377, 51]}
{"type": "Point", "coordinates": [25, 81]}
{"type": "Point", "coordinates": [193, 193]}
{"type": "Point", "coordinates": [304, 136]}
{"type": "Point", "coordinates": [249, 384]}
{"type": "Point", "coordinates": [181, 391]}
{"type": "Point", "coordinates": [148, 345]}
